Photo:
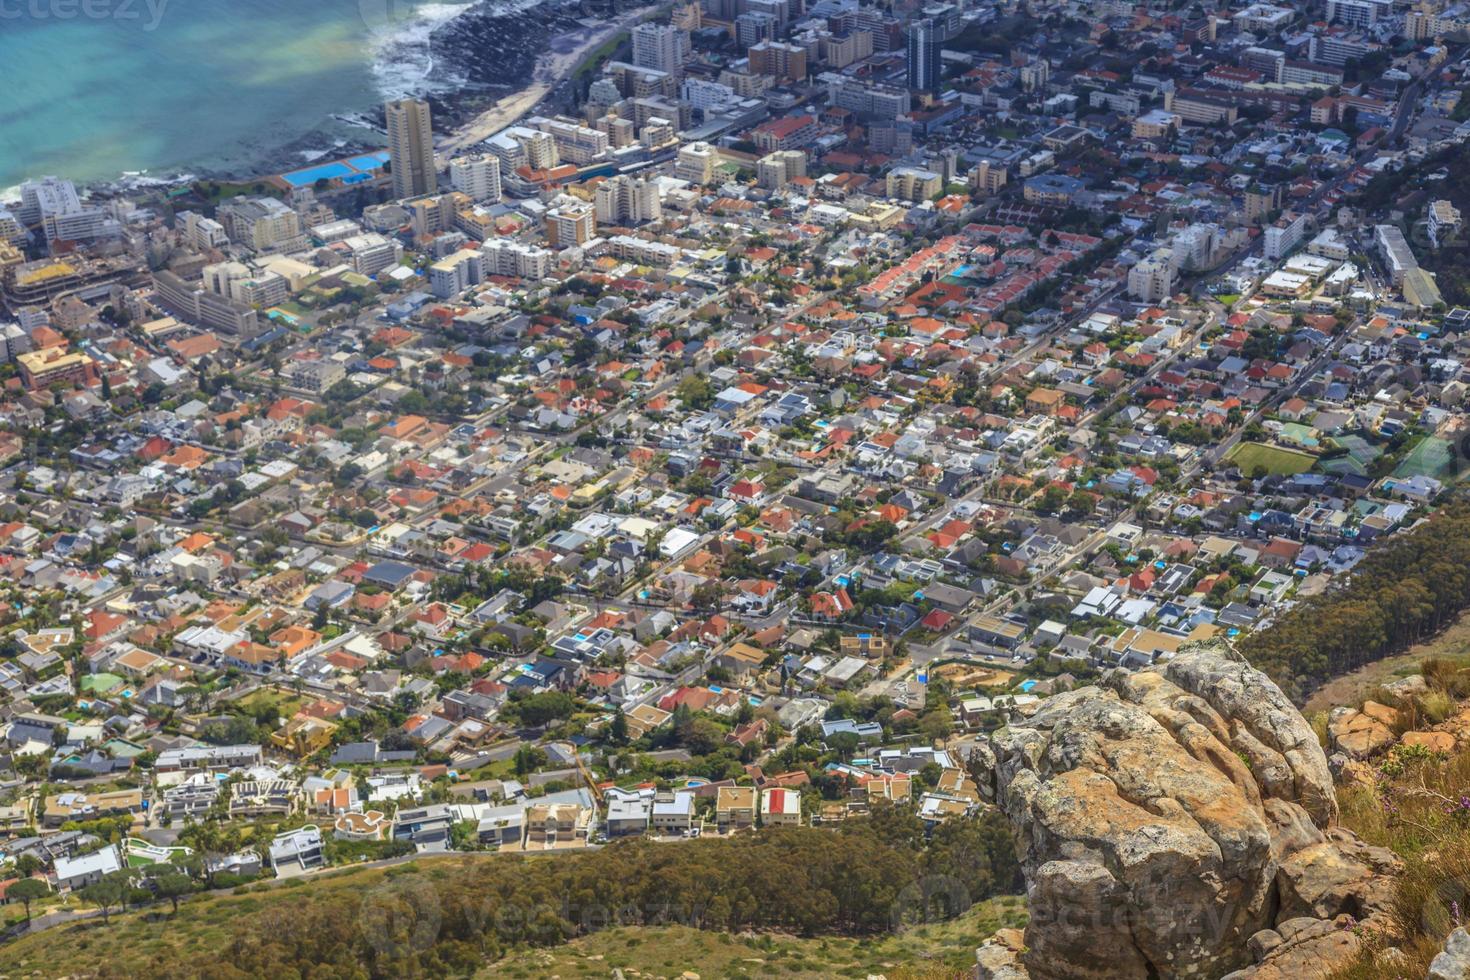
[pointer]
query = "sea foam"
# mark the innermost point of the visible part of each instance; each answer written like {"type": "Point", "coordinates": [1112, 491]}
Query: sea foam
{"type": "Point", "coordinates": [403, 62]}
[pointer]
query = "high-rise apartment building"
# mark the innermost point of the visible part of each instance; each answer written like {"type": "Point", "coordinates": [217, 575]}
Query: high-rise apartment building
{"type": "Point", "coordinates": [775, 170]}
{"type": "Point", "coordinates": [411, 148]}
{"type": "Point", "coordinates": [263, 223]}
{"type": "Point", "coordinates": [627, 200]}
{"type": "Point", "coordinates": [924, 42]}
{"type": "Point", "coordinates": [1361, 14]}
{"type": "Point", "coordinates": [571, 223]}
{"type": "Point", "coordinates": [55, 205]}
{"type": "Point", "coordinates": [784, 62]}
{"type": "Point", "coordinates": [1283, 235]}
{"type": "Point", "coordinates": [575, 143]}
{"type": "Point", "coordinates": [755, 26]}
{"type": "Point", "coordinates": [477, 176]}
{"type": "Point", "coordinates": [1152, 279]}
{"type": "Point", "coordinates": [663, 47]}
{"type": "Point", "coordinates": [696, 163]}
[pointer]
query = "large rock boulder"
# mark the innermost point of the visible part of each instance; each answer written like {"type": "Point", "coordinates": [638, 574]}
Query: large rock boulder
{"type": "Point", "coordinates": [1360, 734]}
{"type": "Point", "coordinates": [1442, 742]}
{"type": "Point", "coordinates": [1166, 817]}
{"type": "Point", "coordinates": [1454, 962]}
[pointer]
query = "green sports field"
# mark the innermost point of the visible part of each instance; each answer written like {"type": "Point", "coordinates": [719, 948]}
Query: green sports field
{"type": "Point", "coordinates": [1249, 456]}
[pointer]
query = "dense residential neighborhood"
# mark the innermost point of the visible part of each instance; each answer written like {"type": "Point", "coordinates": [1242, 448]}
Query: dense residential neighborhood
{"type": "Point", "coordinates": [726, 451]}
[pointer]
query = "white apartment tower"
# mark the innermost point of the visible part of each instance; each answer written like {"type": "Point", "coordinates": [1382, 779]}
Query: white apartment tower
{"type": "Point", "coordinates": [541, 153]}
{"type": "Point", "coordinates": [625, 200]}
{"type": "Point", "coordinates": [477, 176]}
{"type": "Point", "coordinates": [1152, 279]}
{"type": "Point", "coordinates": [56, 206]}
{"type": "Point", "coordinates": [662, 47]}
{"type": "Point", "coordinates": [696, 163]}
{"type": "Point", "coordinates": [775, 170]}
{"type": "Point", "coordinates": [411, 148]}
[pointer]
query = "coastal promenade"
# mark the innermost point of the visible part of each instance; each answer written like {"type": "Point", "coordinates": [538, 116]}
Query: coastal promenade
{"type": "Point", "coordinates": [565, 54]}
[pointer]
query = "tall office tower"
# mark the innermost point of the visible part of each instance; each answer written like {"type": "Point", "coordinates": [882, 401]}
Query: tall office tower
{"type": "Point", "coordinates": [478, 176]}
{"type": "Point", "coordinates": [411, 148]}
{"type": "Point", "coordinates": [660, 46]}
{"type": "Point", "coordinates": [924, 41]}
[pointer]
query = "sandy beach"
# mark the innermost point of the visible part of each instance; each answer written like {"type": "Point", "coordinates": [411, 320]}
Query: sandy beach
{"type": "Point", "coordinates": [566, 54]}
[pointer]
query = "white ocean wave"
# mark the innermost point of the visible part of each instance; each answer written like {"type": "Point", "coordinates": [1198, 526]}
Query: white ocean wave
{"type": "Point", "coordinates": [403, 61]}
{"type": "Point", "coordinates": [140, 179]}
{"type": "Point", "coordinates": [127, 180]}
{"type": "Point", "coordinates": [403, 56]}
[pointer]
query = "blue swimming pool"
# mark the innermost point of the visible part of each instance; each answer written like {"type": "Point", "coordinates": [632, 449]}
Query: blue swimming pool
{"type": "Point", "coordinates": [370, 161]}
{"type": "Point", "coordinates": [353, 170]}
{"type": "Point", "coordinates": [324, 171]}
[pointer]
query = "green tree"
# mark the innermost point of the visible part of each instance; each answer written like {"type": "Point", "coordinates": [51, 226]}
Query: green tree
{"type": "Point", "coordinates": [528, 759]}
{"type": "Point", "coordinates": [937, 722]}
{"type": "Point", "coordinates": [696, 392]}
{"type": "Point", "coordinates": [104, 894]}
{"type": "Point", "coordinates": [28, 890]}
{"type": "Point", "coordinates": [544, 707]}
{"type": "Point", "coordinates": [1052, 499]}
{"type": "Point", "coordinates": [173, 885]}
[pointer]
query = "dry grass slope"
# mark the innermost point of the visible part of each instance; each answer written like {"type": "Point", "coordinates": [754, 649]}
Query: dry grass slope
{"type": "Point", "coordinates": [1418, 805]}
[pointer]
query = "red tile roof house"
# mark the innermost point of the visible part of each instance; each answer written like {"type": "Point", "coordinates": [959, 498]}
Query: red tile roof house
{"type": "Point", "coordinates": [831, 606]}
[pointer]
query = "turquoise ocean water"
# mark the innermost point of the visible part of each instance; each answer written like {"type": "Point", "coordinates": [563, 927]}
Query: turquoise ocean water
{"type": "Point", "coordinates": [188, 85]}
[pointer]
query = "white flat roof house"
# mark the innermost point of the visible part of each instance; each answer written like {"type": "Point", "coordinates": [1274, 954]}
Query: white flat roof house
{"type": "Point", "coordinates": [86, 869]}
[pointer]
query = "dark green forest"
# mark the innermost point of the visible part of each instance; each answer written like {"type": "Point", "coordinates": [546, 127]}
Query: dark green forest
{"type": "Point", "coordinates": [866, 877]}
{"type": "Point", "coordinates": [1405, 590]}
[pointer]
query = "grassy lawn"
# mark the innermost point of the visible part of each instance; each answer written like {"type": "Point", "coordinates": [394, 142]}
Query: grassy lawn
{"type": "Point", "coordinates": [499, 769]}
{"type": "Point", "coordinates": [1274, 459]}
{"type": "Point", "coordinates": [598, 55]}
{"type": "Point", "coordinates": [285, 705]}
{"type": "Point", "coordinates": [223, 190]}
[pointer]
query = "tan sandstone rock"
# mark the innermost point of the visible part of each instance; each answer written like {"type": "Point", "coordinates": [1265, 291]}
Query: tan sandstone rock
{"type": "Point", "coordinates": [1357, 733]}
{"type": "Point", "coordinates": [1176, 822]}
{"type": "Point", "coordinates": [1433, 741]}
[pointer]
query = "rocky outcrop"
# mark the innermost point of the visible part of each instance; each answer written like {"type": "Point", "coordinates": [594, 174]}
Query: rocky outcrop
{"type": "Point", "coordinates": [1000, 956]}
{"type": "Point", "coordinates": [1454, 962]}
{"type": "Point", "coordinates": [1364, 733]}
{"type": "Point", "coordinates": [1411, 686]}
{"type": "Point", "coordinates": [1299, 948]}
{"type": "Point", "coordinates": [1175, 822]}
